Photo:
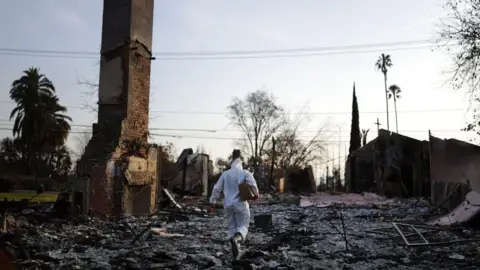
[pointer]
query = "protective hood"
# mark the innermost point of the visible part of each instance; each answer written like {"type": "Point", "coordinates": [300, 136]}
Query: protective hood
{"type": "Point", "coordinates": [237, 163]}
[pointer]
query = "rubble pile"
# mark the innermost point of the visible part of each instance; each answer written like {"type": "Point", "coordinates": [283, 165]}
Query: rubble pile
{"type": "Point", "coordinates": [336, 235]}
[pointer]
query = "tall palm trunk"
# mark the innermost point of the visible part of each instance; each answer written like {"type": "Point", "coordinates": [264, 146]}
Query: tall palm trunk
{"type": "Point", "coordinates": [396, 115]}
{"type": "Point", "coordinates": [386, 101]}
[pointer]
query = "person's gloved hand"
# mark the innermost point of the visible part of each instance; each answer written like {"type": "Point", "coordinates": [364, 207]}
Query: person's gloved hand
{"type": "Point", "coordinates": [212, 208]}
{"type": "Point", "coordinates": [255, 197]}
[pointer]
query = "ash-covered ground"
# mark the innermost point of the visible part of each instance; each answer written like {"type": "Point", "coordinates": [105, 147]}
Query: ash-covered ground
{"type": "Point", "coordinates": [309, 237]}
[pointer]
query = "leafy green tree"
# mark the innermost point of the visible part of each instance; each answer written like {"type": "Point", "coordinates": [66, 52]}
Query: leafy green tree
{"type": "Point", "coordinates": [39, 120]}
{"type": "Point", "coordinates": [54, 164]}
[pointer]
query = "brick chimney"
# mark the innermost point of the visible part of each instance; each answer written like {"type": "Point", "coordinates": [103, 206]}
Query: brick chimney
{"type": "Point", "coordinates": [118, 164]}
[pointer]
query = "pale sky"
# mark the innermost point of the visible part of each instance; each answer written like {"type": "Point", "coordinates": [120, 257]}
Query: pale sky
{"type": "Point", "coordinates": [321, 83]}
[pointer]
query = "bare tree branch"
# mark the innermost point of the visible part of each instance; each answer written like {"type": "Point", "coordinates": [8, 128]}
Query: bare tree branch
{"type": "Point", "coordinates": [461, 28]}
{"type": "Point", "coordinates": [291, 151]}
{"type": "Point", "coordinates": [88, 95]}
{"type": "Point", "coordinates": [81, 142]}
{"type": "Point", "coordinates": [460, 35]}
{"type": "Point", "coordinates": [87, 104]}
{"type": "Point", "coordinates": [259, 118]}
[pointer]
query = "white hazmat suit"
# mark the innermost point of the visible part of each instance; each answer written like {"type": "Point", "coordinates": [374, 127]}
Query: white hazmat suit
{"type": "Point", "coordinates": [237, 211]}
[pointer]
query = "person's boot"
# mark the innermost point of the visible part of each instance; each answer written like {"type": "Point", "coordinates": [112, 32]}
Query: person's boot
{"type": "Point", "coordinates": [234, 243]}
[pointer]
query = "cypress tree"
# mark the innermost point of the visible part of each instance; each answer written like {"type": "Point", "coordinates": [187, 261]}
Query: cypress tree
{"type": "Point", "coordinates": [355, 135]}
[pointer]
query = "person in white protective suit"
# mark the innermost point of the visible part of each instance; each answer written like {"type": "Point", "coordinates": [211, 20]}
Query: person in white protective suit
{"type": "Point", "coordinates": [237, 211]}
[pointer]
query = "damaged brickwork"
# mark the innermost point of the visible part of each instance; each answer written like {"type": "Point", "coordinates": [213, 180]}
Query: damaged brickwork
{"type": "Point", "coordinates": [118, 162]}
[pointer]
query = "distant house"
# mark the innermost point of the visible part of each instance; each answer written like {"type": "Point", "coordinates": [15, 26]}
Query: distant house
{"type": "Point", "coordinates": [392, 164]}
{"type": "Point", "coordinates": [300, 180]}
{"type": "Point", "coordinates": [197, 169]}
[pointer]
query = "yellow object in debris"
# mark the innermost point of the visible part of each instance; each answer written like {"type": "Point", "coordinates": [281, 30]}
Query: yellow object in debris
{"type": "Point", "coordinates": [280, 185]}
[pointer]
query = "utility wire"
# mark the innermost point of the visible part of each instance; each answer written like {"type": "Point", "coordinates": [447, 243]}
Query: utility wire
{"type": "Point", "coordinates": [317, 113]}
{"type": "Point", "coordinates": [221, 57]}
{"type": "Point", "coordinates": [212, 53]}
{"type": "Point", "coordinates": [232, 138]}
{"type": "Point", "coordinates": [177, 136]}
{"type": "Point", "coordinates": [295, 113]}
{"type": "Point", "coordinates": [7, 125]}
{"type": "Point", "coordinates": [291, 55]}
{"type": "Point", "coordinates": [330, 160]}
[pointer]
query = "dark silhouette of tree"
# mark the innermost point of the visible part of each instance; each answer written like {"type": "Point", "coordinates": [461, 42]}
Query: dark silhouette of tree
{"type": "Point", "coordinates": [291, 152]}
{"type": "Point", "coordinates": [54, 164]}
{"type": "Point", "coordinates": [81, 142]}
{"type": "Point", "coordinates": [462, 28]}
{"type": "Point", "coordinates": [259, 118]}
{"type": "Point", "coordinates": [384, 62]}
{"type": "Point", "coordinates": [333, 181]}
{"type": "Point", "coordinates": [337, 179]}
{"type": "Point", "coordinates": [355, 136]}
{"type": "Point", "coordinates": [394, 92]}
{"type": "Point", "coordinates": [39, 120]}
{"type": "Point", "coordinates": [60, 161]}
{"type": "Point", "coordinates": [364, 136]}
{"type": "Point", "coordinates": [10, 154]}
{"type": "Point", "coordinates": [168, 160]}
{"type": "Point", "coordinates": [169, 152]}
{"type": "Point", "coordinates": [223, 164]}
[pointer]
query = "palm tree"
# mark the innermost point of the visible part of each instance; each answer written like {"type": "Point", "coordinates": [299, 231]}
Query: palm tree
{"type": "Point", "coordinates": [62, 161]}
{"type": "Point", "coordinates": [383, 63]}
{"type": "Point", "coordinates": [394, 91]}
{"type": "Point", "coordinates": [39, 118]}
{"type": "Point", "coordinates": [57, 121]}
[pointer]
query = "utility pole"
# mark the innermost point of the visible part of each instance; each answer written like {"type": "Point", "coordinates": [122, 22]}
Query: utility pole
{"type": "Point", "coordinates": [333, 168]}
{"type": "Point", "coordinates": [339, 148]}
{"type": "Point", "coordinates": [272, 165]}
{"type": "Point", "coordinates": [378, 126]}
{"type": "Point", "coordinates": [326, 180]}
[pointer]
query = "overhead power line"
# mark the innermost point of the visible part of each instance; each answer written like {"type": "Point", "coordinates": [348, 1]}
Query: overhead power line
{"type": "Point", "coordinates": [221, 57]}
{"type": "Point", "coordinates": [294, 113]}
{"type": "Point", "coordinates": [318, 113]}
{"type": "Point", "coordinates": [176, 136]}
{"type": "Point", "coordinates": [332, 159]}
{"type": "Point", "coordinates": [237, 52]}
{"type": "Point", "coordinates": [299, 50]}
{"type": "Point", "coordinates": [340, 52]}
{"type": "Point", "coordinates": [218, 55]}
{"type": "Point", "coordinates": [326, 131]}
{"type": "Point", "coordinates": [183, 136]}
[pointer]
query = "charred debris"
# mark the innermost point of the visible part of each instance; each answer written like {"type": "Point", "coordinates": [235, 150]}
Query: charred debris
{"type": "Point", "coordinates": [322, 231]}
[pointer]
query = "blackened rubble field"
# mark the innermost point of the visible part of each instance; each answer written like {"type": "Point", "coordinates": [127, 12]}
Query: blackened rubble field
{"type": "Point", "coordinates": [301, 238]}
